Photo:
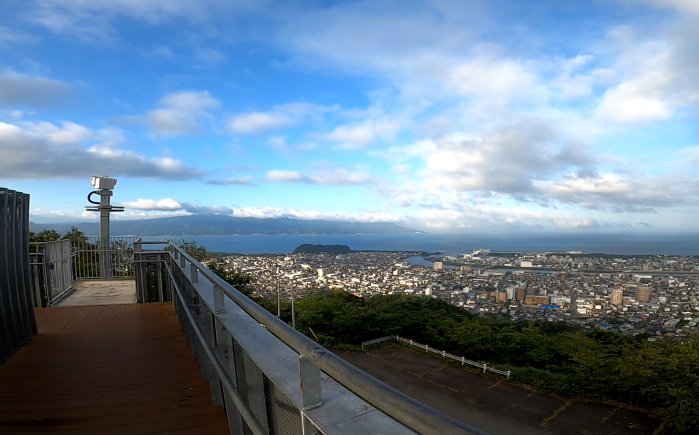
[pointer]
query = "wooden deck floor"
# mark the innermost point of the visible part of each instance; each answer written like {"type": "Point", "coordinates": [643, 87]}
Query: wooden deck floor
{"type": "Point", "coordinates": [107, 369]}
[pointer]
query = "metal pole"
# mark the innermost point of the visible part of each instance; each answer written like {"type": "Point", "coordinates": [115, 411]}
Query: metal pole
{"type": "Point", "coordinates": [104, 186]}
{"type": "Point", "coordinates": [293, 312]}
{"type": "Point", "coordinates": [279, 297]}
{"type": "Point", "coordinates": [105, 254]}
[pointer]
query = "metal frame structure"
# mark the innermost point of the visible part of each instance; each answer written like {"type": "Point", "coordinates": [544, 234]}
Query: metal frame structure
{"type": "Point", "coordinates": [17, 322]}
{"type": "Point", "coordinates": [269, 377]}
{"type": "Point", "coordinates": [56, 266]}
{"type": "Point", "coordinates": [51, 271]}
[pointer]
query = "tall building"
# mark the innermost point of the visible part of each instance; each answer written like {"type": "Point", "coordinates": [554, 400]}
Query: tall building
{"type": "Point", "coordinates": [438, 265]}
{"type": "Point", "coordinates": [643, 293]}
{"type": "Point", "coordinates": [617, 296]}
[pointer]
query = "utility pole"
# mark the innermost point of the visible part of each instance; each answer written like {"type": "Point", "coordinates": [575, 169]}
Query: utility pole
{"type": "Point", "coordinates": [293, 313]}
{"type": "Point", "coordinates": [279, 309]}
{"type": "Point", "coordinates": [104, 186]}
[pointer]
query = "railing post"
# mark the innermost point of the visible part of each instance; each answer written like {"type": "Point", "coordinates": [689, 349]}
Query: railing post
{"type": "Point", "coordinates": [219, 302]}
{"type": "Point", "coordinates": [182, 261]}
{"type": "Point", "coordinates": [310, 383]}
{"type": "Point", "coordinates": [193, 273]}
{"type": "Point", "coordinates": [462, 360]}
{"type": "Point", "coordinates": [485, 366]}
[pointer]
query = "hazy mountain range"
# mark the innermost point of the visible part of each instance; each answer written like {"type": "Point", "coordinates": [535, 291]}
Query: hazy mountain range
{"type": "Point", "coordinates": [201, 224]}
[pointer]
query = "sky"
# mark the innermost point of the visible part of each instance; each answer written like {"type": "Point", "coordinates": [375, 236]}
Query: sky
{"type": "Point", "coordinates": [446, 116]}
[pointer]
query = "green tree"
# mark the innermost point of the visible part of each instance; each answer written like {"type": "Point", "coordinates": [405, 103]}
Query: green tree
{"type": "Point", "coordinates": [77, 237]}
{"type": "Point", "coordinates": [241, 281]}
{"type": "Point", "coordinates": [44, 236]}
{"type": "Point", "coordinates": [195, 250]}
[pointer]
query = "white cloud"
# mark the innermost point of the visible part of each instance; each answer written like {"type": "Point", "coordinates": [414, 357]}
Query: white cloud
{"type": "Point", "coordinates": [172, 205]}
{"type": "Point", "coordinates": [492, 80]}
{"type": "Point", "coordinates": [655, 74]}
{"type": "Point", "coordinates": [281, 176]}
{"type": "Point", "coordinates": [625, 104]}
{"type": "Point", "coordinates": [280, 116]}
{"type": "Point", "coordinates": [231, 181]}
{"type": "Point", "coordinates": [32, 90]}
{"type": "Point", "coordinates": [305, 214]}
{"type": "Point", "coordinates": [164, 204]}
{"type": "Point", "coordinates": [93, 20]}
{"type": "Point", "coordinates": [504, 160]}
{"type": "Point", "coordinates": [322, 175]}
{"type": "Point", "coordinates": [255, 122]}
{"type": "Point", "coordinates": [181, 112]}
{"type": "Point", "coordinates": [69, 150]}
{"type": "Point", "coordinates": [689, 6]}
{"type": "Point", "coordinates": [8, 35]}
{"type": "Point", "coordinates": [613, 192]}
{"type": "Point", "coordinates": [361, 134]}
{"type": "Point", "coordinates": [195, 208]}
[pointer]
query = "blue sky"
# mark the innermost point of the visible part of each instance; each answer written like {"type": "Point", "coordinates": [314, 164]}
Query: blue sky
{"type": "Point", "coordinates": [462, 116]}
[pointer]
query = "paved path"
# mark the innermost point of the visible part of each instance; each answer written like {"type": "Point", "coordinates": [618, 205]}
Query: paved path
{"type": "Point", "coordinates": [101, 292]}
{"type": "Point", "coordinates": [491, 403]}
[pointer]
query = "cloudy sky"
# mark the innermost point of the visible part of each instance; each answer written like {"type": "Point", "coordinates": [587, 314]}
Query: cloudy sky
{"type": "Point", "coordinates": [443, 115]}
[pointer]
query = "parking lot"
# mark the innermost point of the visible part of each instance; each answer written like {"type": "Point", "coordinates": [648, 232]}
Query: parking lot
{"type": "Point", "coordinates": [491, 403]}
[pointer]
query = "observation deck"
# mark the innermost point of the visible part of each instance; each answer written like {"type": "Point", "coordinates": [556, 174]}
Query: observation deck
{"type": "Point", "coordinates": [143, 366]}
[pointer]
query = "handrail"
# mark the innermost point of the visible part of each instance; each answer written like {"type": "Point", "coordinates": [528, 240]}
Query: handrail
{"type": "Point", "coordinates": [245, 412]}
{"type": "Point", "coordinates": [401, 407]}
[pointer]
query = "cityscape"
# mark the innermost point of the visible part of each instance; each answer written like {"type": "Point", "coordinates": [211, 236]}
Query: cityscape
{"type": "Point", "coordinates": [655, 295]}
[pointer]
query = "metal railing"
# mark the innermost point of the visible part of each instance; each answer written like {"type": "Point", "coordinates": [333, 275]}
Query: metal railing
{"type": "Point", "coordinates": [89, 253]}
{"type": "Point", "coordinates": [57, 265]}
{"type": "Point", "coordinates": [442, 353]}
{"type": "Point", "coordinates": [17, 322]}
{"type": "Point", "coordinates": [481, 365]}
{"type": "Point", "coordinates": [269, 377]}
{"type": "Point", "coordinates": [51, 271]}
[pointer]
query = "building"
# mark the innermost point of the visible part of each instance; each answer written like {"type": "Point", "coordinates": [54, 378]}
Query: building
{"type": "Point", "coordinates": [438, 265]}
{"type": "Point", "coordinates": [617, 296]}
{"type": "Point", "coordinates": [643, 293]}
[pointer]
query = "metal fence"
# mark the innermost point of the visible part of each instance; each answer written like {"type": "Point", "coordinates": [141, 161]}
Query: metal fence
{"type": "Point", "coordinates": [17, 322]}
{"type": "Point", "coordinates": [442, 353]}
{"type": "Point", "coordinates": [151, 272]}
{"type": "Point", "coordinates": [57, 265]}
{"type": "Point", "coordinates": [51, 271]}
{"type": "Point", "coordinates": [90, 253]}
{"type": "Point", "coordinates": [269, 377]}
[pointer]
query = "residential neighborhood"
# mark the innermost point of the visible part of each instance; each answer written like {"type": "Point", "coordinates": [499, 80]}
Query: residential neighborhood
{"type": "Point", "coordinates": [656, 295]}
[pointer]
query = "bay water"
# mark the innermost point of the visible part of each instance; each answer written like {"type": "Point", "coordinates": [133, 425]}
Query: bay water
{"type": "Point", "coordinates": [627, 244]}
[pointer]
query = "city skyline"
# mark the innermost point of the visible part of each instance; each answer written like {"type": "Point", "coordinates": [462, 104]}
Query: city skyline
{"type": "Point", "coordinates": [440, 116]}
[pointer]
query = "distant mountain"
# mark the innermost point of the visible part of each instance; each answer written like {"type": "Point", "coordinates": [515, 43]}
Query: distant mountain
{"type": "Point", "coordinates": [201, 224]}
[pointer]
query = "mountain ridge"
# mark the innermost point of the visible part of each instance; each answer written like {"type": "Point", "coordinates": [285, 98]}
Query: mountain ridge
{"type": "Point", "coordinates": [210, 224]}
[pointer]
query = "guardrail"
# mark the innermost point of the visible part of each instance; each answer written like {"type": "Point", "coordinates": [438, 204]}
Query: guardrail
{"type": "Point", "coordinates": [443, 353]}
{"type": "Point", "coordinates": [271, 378]}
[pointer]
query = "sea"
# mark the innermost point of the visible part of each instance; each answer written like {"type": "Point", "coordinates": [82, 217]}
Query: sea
{"type": "Point", "coordinates": [621, 244]}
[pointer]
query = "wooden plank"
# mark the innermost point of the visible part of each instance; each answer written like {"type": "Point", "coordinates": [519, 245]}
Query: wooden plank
{"type": "Point", "coordinates": [107, 369]}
